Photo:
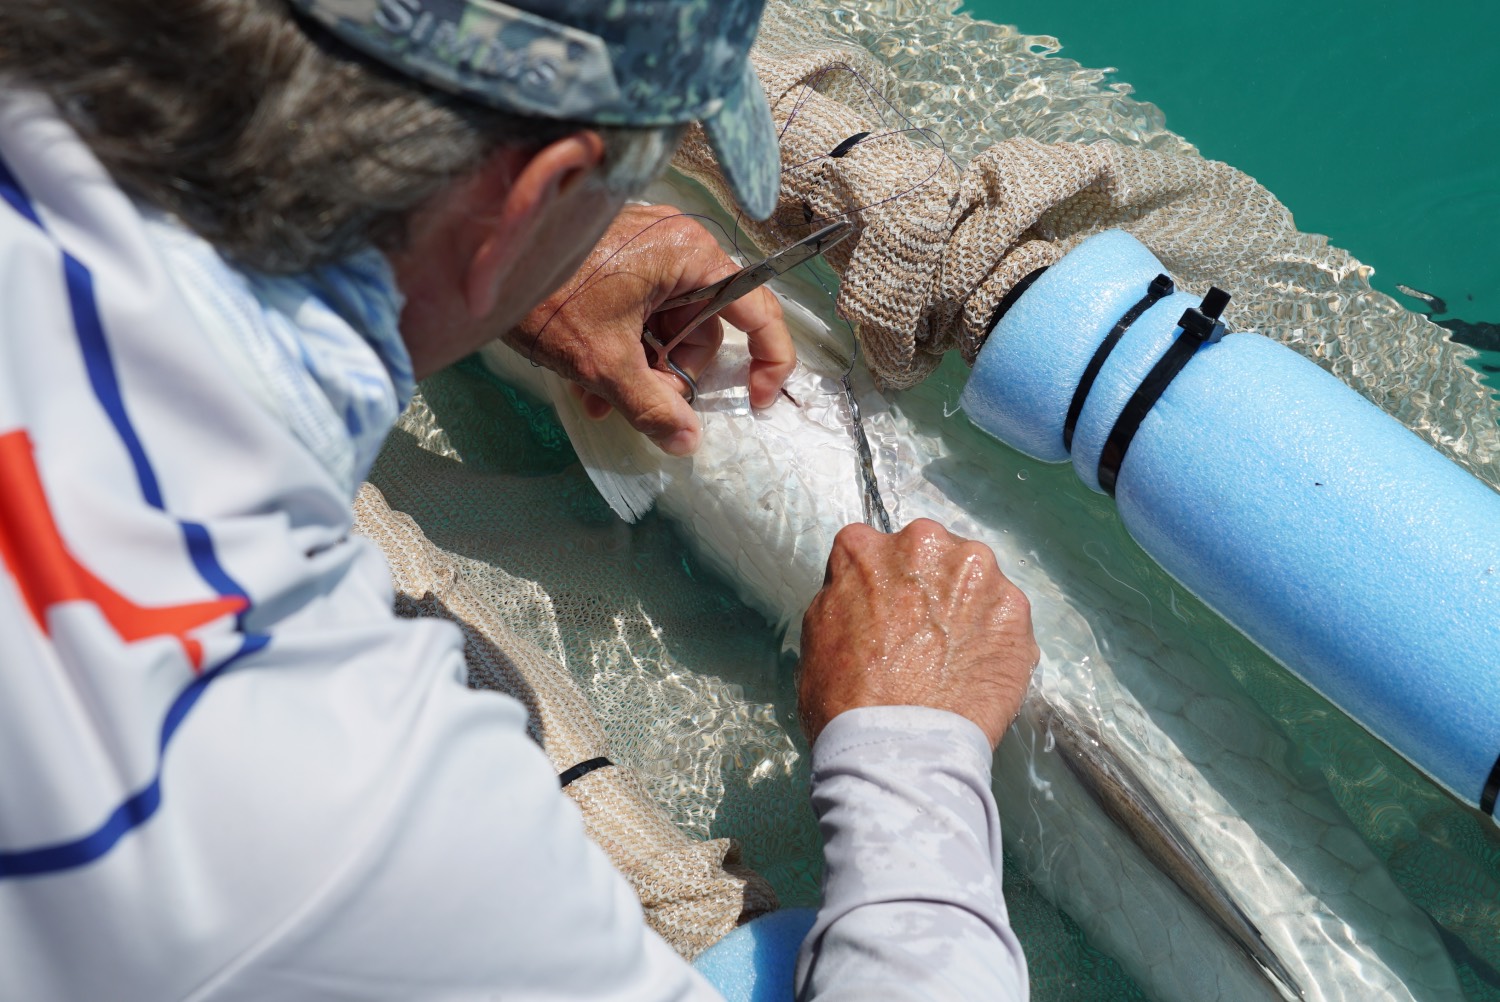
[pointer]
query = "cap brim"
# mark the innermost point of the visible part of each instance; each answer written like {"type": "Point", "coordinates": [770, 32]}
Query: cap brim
{"type": "Point", "coordinates": [743, 138]}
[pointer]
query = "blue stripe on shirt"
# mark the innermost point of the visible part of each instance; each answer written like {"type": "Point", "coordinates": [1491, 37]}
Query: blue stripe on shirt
{"type": "Point", "coordinates": [136, 809]}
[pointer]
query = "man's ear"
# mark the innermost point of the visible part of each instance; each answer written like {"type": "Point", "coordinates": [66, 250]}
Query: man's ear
{"type": "Point", "coordinates": [512, 196]}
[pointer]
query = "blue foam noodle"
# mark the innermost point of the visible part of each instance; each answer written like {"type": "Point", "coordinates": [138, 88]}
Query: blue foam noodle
{"type": "Point", "coordinates": [758, 961]}
{"type": "Point", "coordinates": [1331, 535]}
{"type": "Point", "coordinates": [1334, 537]}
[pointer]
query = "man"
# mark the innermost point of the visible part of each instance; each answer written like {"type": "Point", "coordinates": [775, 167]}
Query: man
{"type": "Point", "coordinates": [232, 233]}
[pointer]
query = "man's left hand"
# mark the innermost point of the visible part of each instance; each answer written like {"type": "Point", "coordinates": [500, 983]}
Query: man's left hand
{"type": "Point", "coordinates": [590, 329]}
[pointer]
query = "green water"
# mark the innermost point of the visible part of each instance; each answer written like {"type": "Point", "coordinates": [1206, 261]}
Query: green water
{"type": "Point", "coordinates": [1376, 124]}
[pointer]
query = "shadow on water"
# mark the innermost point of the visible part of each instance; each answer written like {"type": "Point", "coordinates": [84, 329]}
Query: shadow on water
{"type": "Point", "coordinates": [1483, 336]}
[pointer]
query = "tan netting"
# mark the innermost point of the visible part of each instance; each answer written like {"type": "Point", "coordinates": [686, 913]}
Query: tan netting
{"type": "Point", "coordinates": [940, 240]}
{"type": "Point", "coordinates": [692, 892]}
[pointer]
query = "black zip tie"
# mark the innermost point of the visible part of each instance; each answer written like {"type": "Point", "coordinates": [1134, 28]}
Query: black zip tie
{"type": "Point", "coordinates": [1009, 299]}
{"type": "Point", "coordinates": [582, 769]}
{"type": "Point", "coordinates": [1160, 288]}
{"type": "Point", "coordinates": [1200, 326]}
{"type": "Point", "coordinates": [847, 145]}
{"type": "Point", "coordinates": [1491, 790]}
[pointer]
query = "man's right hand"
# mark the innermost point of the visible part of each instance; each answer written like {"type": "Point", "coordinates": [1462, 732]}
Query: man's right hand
{"type": "Point", "coordinates": [589, 330]}
{"type": "Point", "coordinates": [918, 618]}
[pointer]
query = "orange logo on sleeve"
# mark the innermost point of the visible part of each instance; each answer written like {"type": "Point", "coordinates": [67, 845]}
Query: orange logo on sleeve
{"type": "Point", "coordinates": [47, 573]}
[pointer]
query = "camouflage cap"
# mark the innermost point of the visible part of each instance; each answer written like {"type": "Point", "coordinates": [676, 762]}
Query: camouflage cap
{"type": "Point", "coordinates": [603, 62]}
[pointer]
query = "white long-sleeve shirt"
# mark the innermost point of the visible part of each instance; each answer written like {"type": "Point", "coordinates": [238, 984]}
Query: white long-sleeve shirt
{"type": "Point", "coordinates": [228, 771]}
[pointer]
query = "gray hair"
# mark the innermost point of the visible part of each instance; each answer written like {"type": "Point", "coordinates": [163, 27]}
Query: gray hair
{"type": "Point", "coordinates": [267, 136]}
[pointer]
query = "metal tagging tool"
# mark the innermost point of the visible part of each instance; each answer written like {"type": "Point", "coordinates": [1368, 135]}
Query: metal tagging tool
{"type": "Point", "coordinates": [725, 291]}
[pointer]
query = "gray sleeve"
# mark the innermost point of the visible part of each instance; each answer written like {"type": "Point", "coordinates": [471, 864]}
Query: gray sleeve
{"type": "Point", "coordinates": [912, 906]}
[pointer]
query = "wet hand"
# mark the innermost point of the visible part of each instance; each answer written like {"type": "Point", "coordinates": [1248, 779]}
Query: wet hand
{"type": "Point", "coordinates": [590, 329]}
{"type": "Point", "coordinates": [918, 618]}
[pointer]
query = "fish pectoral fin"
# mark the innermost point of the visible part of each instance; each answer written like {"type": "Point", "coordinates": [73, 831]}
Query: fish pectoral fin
{"type": "Point", "coordinates": [627, 469]}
